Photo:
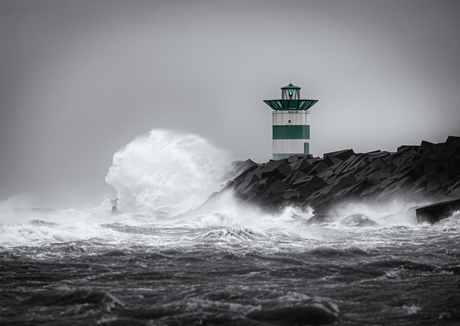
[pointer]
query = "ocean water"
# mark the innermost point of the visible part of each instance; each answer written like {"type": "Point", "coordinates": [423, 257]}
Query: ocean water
{"type": "Point", "coordinates": [158, 263]}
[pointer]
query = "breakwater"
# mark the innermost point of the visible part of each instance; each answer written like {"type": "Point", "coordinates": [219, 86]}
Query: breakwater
{"type": "Point", "coordinates": [430, 171]}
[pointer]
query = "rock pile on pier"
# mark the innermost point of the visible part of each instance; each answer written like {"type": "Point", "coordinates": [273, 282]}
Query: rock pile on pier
{"type": "Point", "coordinates": [431, 170]}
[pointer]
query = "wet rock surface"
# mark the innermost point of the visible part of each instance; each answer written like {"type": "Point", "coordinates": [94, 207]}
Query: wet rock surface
{"type": "Point", "coordinates": [428, 170]}
{"type": "Point", "coordinates": [436, 212]}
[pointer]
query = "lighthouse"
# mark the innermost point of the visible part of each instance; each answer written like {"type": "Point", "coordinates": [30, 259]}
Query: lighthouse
{"type": "Point", "coordinates": [290, 129]}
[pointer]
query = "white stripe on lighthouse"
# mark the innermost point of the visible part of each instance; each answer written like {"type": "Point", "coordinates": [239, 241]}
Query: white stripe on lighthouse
{"type": "Point", "coordinates": [289, 146]}
{"type": "Point", "coordinates": [291, 117]}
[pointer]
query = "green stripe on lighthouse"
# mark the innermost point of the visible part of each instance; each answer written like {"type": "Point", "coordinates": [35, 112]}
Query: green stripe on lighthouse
{"type": "Point", "coordinates": [291, 132]}
{"type": "Point", "coordinates": [306, 148]}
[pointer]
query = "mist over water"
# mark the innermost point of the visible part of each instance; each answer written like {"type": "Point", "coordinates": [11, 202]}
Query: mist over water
{"type": "Point", "coordinates": [162, 261]}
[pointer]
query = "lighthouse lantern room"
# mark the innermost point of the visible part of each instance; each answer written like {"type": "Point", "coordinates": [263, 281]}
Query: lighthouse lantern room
{"type": "Point", "coordinates": [290, 129]}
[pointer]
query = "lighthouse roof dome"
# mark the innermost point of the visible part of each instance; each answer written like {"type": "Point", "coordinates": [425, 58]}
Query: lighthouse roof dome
{"type": "Point", "coordinates": [290, 86]}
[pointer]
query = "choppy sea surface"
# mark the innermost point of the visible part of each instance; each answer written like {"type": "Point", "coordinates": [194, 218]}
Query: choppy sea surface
{"type": "Point", "coordinates": [223, 264]}
{"type": "Point", "coordinates": [67, 267]}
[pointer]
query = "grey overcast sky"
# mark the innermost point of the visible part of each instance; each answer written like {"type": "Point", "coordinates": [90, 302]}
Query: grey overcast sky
{"type": "Point", "coordinates": [81, 79]}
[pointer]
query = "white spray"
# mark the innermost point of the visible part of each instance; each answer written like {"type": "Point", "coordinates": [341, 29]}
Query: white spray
{"type": "Point", "coordinates": [166, 171]}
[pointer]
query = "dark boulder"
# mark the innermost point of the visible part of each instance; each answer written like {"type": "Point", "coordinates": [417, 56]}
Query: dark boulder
{"type": "Point", "coordinates": [331, 160]}
{"type": "Point", "coordinates": [408, 148]}
{"type": "Point", "coordinates": [453, 139]}
{"type": "Point", "coordinates": [426, 146]}
{"type": "Point", "coordinates": [341, 155]}
{"type": "Point", "coordinates": [311, 186]}
{"type": "Point", "coordinates": [439, 172]}
{"type": "Point", "coordinates": [436, 212]}
{"type": "Point", "coordinates": [318, 168]}
{"type": "Point", "coordinates": [294, 177]}
{"type": "Point", "coordinates": [344, 181]}
{"type": "Point", "coordinates": [239, 167]}
{"type": "Point", "coordinates": [454, 191]}
{"type": "Point", "coordinates": [302, 165]}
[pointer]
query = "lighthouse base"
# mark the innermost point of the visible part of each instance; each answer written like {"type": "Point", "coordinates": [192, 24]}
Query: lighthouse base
{"type": "Point", "coordinates": [283, 156]}
{"type": "Point", "coordinates": [284, 148]}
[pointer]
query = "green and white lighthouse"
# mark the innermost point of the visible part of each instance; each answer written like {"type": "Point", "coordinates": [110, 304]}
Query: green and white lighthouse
{"type": "Point", "coordinates": [290, 129]}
